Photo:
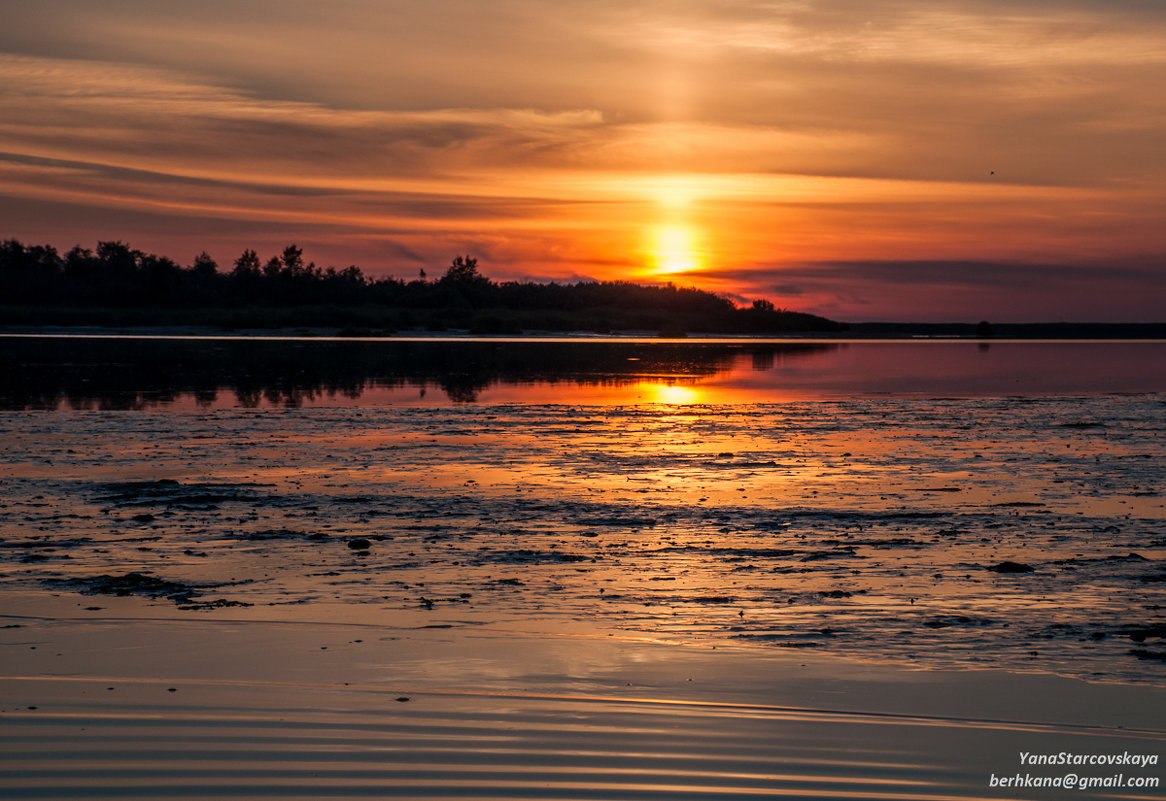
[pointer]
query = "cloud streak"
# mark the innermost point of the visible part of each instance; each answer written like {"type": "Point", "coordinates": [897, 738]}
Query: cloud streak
{"type": "Point", "coordinates": [559, 141]}
{"type": "Point", "coordinates": [965, 290]}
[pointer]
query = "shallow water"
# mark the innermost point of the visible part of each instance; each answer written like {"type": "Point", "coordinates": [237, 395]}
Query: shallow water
{"type": "Point", "coordinates": [238, 743]}
{"type": "Point", "coordinates": [123, 373]}
{"type": "Point", "coordinates": [621, 570]}
{"type": "Point", "coordinates": [870, 528]}
{"type": "Point", "coordinates": [190, 706]}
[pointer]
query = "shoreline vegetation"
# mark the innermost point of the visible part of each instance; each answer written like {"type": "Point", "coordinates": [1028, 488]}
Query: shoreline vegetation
{"type": "Point", "coordinates": [117, 288]}
{"type": "Point", "coordinates": [117, 285]}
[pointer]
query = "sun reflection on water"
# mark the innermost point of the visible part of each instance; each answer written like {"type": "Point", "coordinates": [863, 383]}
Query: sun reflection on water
{"type": "Point", "coordinates": [670, 393]}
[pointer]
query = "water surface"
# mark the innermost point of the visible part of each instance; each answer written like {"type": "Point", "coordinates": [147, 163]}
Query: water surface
{"type": "Point", "coordinates": [874, 527]}
{"type": "Point", "coordinates": [145, 372]}
{"type": "Point", "coordinates": [592, 569]}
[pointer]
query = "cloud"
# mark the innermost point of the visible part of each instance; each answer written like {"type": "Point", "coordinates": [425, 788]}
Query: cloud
{"type": "Point", "coordinates": [905, 290]}
{"type": "Point", "coordinates": [939, 91]}
{"type": "Point", "coordinates": [121, 111]}
{"type": "Point", "coordinates": [554, 137]}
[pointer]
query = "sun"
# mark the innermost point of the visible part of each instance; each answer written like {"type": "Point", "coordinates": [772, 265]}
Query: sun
{"type": "Point", "coordinates": [675, 249]}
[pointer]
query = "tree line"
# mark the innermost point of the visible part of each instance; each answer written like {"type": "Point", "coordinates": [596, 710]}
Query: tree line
{"type": "Point", "coordinates": [119, 284]}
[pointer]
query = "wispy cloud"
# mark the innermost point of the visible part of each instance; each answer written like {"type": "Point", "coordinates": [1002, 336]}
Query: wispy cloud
{"type": "Point", "coordinates": [904, 290]}
{"type": "Point", "coordinates": [556, 139]}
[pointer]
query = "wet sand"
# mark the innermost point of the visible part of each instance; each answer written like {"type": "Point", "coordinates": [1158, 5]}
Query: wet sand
{"type": "Point", "coordinates": [181, 707]}
{"type": "Point", "coordinates": [872, 598]}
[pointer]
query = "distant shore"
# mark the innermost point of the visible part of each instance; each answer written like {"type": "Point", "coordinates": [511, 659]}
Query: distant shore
{"type": "Point", "coordinates": [119, 289]}
{"type": "Point", "coordinates": [854, 331]}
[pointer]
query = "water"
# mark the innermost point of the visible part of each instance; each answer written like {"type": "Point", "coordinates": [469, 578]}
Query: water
{"type": "Point", "coordinates": [221, 373]}
{"type": "Point", "coordinates": [850, 498]}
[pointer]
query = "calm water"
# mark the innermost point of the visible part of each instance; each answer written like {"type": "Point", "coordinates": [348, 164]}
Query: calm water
{"type": "Point", "coordinates": [294, 532]}
{"type": "Point", "coordinates": [856, 498]}
{"type": "Point", "coordinates": [223, 373]}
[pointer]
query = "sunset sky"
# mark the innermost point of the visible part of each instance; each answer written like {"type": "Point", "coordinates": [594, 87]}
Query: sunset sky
{"type": "Point", "coordinates": [861, 159]}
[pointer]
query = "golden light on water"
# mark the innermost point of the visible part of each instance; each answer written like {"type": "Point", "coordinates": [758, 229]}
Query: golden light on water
{"type": "Point", "coordinates": [664, 393]}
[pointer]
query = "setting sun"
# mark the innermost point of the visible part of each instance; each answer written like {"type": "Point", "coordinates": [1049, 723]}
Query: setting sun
{"type": "Point", "coordinates": [882, 166]}
{"type": "Point", "coordinates": [691, 400]}
{"type": "Point", "coordinates": [674, 249]}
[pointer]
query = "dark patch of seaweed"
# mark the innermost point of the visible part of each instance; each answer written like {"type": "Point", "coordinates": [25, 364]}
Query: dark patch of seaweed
{"type": "Point", "coordinates": [144, 585]}
{"type": "Point", "coordinates": [851, 516]}
{"type": "Point", "coordinates": [947, 621]}
{"type": "Point", "coordinates": [526, 556]}
{"type": "Point", "coordinates": [733, 554]}
{"type": "Point", "coordinates": [283, 534]}
{"type": "Point", "coordinates": [630, 522]}
{"type": "Point", "coordinates": [168, 492]}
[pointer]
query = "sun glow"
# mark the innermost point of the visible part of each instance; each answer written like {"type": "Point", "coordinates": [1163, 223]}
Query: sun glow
{"type": "Point", "coordinates": [675, 249]}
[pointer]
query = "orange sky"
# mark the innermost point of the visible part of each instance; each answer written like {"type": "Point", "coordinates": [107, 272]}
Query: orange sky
{"type": "Point", "coordinates": [866, 160]}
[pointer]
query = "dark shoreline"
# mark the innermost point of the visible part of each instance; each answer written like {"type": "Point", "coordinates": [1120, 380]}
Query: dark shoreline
{"type": "Point", "coordinates": [151, 367]}
{"type": "Point", "coordinates": [854, 331]}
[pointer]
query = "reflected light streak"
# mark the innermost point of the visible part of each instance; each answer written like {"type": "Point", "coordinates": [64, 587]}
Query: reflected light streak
{"type": "Point", "coordinates": [665, 393]}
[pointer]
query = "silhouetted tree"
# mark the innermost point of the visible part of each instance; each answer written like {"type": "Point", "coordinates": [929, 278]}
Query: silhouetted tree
{"type": "Point", "coordinates": [247, 264]}
{"type": "Point", "coordinates": [30, 274]}
{"type": "Point", "coordinates": [463, 270]}
{"type": "Point", "coordinates": [204, 266]}
{"type": "Point", "coordinates": [272, 268]}
{"type": "Point", "coordinates": [118, 259]}
{"type": "Point", "coordinates": [246, 278]}
{"type": "Point", "coordinates": [117, 275]}
{"type": "Point", "coordinates": [463, 286]}
{"type": "Point", "coordinates": [161, 281]}
{"type": "Point", "coordinates": [202, 283]}
{"type": "Point", "coordinates": [345, 286]}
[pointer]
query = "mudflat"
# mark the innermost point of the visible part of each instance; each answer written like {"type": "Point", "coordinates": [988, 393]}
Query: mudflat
{"type": "Point", "coordinates": [886, 597]}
